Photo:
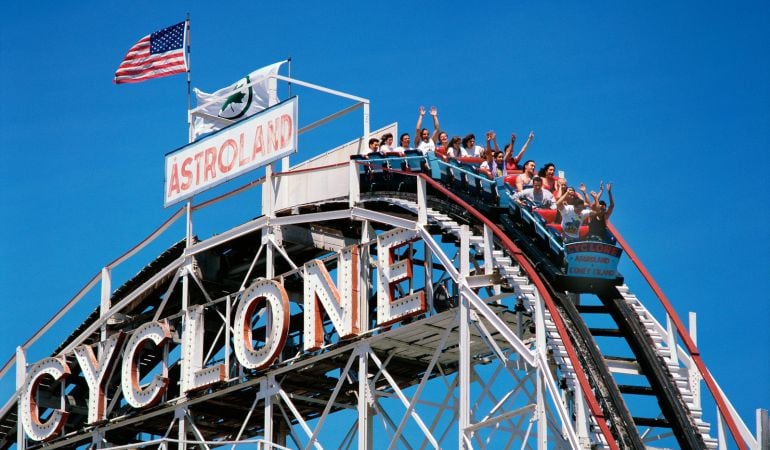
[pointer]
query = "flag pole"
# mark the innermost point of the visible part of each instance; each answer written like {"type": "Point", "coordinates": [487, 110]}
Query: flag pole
{"type": "Point", "coordinates": [189, 100]}
{"type": "Point", "coordinates": [289, 60]}
{"type": "Point", "coordinates": [188, 207]}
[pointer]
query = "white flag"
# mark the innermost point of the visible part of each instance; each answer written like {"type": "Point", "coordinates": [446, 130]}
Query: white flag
{"type": "Point", "coordinates": [235, 102]}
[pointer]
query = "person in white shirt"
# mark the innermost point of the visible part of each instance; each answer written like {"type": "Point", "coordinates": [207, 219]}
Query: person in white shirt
{"type": "Point", "coordinates": [470, 148]}
{"type": "Point", "coordinates": [493, 161]}
{"type": "Point", "coordinates": [386, 143]}
{"type": "Point", "coordinates": [403, 143]}
{"type": "Point", "coordinates": [453, 149]}
{"type": "Point", "coordinates": [572, 215]}
{"type": "Point", "coordinates": [374, 145]}
{"type": "Point", "coordinates": [424, 141]}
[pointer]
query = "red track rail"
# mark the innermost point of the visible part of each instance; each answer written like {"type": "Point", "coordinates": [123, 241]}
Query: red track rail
{"type": "Point", "coordinates": [686, 339]}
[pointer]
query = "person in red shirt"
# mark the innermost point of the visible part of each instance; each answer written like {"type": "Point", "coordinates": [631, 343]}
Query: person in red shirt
{"type": "Point", "coordinates": [511, 162]}
{"type": "Point", "coordinates": [548, 174]}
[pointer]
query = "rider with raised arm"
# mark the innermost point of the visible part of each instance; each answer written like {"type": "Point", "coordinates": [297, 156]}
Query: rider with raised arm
{"type": "Point", "coordinates": [600, 214]}
{"type": "Point", "coordinates": [496, 165]}
{"type": "Point", "coordinates": [425, 142]}
{"type": "Point", "coordinates": [573, 211]}
{"type": "Point", "coordinates": [512, 162]}
{"type": "Point", "coordinates": [586, 200]}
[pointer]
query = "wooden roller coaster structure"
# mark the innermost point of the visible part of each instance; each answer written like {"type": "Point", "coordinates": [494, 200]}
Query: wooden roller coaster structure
{"type": "Point", "coordinates": [453, 323]}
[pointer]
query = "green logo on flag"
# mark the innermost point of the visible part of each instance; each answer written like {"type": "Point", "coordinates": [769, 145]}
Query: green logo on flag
{"type": "Point", "coordinates": [234, 106]}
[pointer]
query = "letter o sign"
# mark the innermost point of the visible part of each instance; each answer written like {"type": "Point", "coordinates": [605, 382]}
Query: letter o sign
{"type": "Point", "coordinates": [277, 302]}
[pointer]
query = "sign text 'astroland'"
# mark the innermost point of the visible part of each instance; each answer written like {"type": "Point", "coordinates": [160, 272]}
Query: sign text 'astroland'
{"type": "Point", "coordinates": [230, 152]}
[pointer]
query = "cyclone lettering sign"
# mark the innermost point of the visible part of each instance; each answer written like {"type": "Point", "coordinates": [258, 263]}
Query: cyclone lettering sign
{"type": "Point", "coordinates": [122, 352]}
{"type": "Point", "coordinates": [247, 145]}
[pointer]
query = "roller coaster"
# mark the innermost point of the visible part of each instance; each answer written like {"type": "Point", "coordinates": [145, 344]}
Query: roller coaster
{"type": "Point", "coordinates": [459, 319]}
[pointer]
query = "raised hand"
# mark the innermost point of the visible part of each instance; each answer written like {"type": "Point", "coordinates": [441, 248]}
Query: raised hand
{"type": "Point", "coordinates": [422, 110]}
{"type": "Point", "coordinates": [433, 111]}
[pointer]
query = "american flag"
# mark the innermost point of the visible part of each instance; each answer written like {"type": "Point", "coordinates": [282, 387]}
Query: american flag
{"type": "Point", "coordinates": [159, 54]}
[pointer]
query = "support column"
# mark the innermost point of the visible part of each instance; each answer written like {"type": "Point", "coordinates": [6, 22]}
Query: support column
{"type": "Point", "coordinates": [21, 375]}
{"type": "Point", "coordinates": [354, 188]}
{"type": "Point", "coordinates": [364, 410]}
{"type": "Point", "coordinates": [489, 266]}
{"type": "Point", "coordinates": [464, 415]}
{"type": "Point", "coordinates": [364, 280]}
{"type": "Point", "coordinates": [721, 439]}
{"type": "Point", "coordinates": [366, 126]}
{"type": "Point", "coordinates": [364, 394]}
{"type": "Point", "coordinates": [422, 202]}
{"type": "Point", "coordinates": [267, 233]}
{"type": "Point", "coordinates": [97, 440]}
{"type": "Point", "coordinates": [104, 305]}
{"type": "Point", "coordinates": [179, 414]}
{"type": "Point", "coordinates": [187, 270]}
{"type": "Point", "coordinates": [422, 219]}
{"type": "Point", "coordinates": [228, 321]}
{"type": "Point", "coordinates": [673, 358]}
{"type": "Point", "coordinates": [692, 372]}
{"type": "Point", "coordinates": [267, 192]}
{"type": "Point", "coordinates": [428, 254]}
{"type": "Point", "coordinates": [268, 386]}
{"type": "Point", "coordinates": [763, 429]}
{"type": "Point", "coordinates": [540, 345]}
{"type": "Point", "coordinates": [187, 262]}
{"type": "Point", "coordinates": [581, 418]}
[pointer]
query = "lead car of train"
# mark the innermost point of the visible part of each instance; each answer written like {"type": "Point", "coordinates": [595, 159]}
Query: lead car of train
{"type": "Point", "coordinates": [585, 265]}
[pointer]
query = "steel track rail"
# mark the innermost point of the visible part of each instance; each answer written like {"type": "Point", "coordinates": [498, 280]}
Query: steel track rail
{"type": "Point", "coordinates": [595, 364]}
{"type": "Point", "coordinates": [655, 369]}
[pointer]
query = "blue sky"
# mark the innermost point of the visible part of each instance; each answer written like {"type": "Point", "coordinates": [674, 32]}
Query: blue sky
{"type": "Point", "coordinates": [671, 102]}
